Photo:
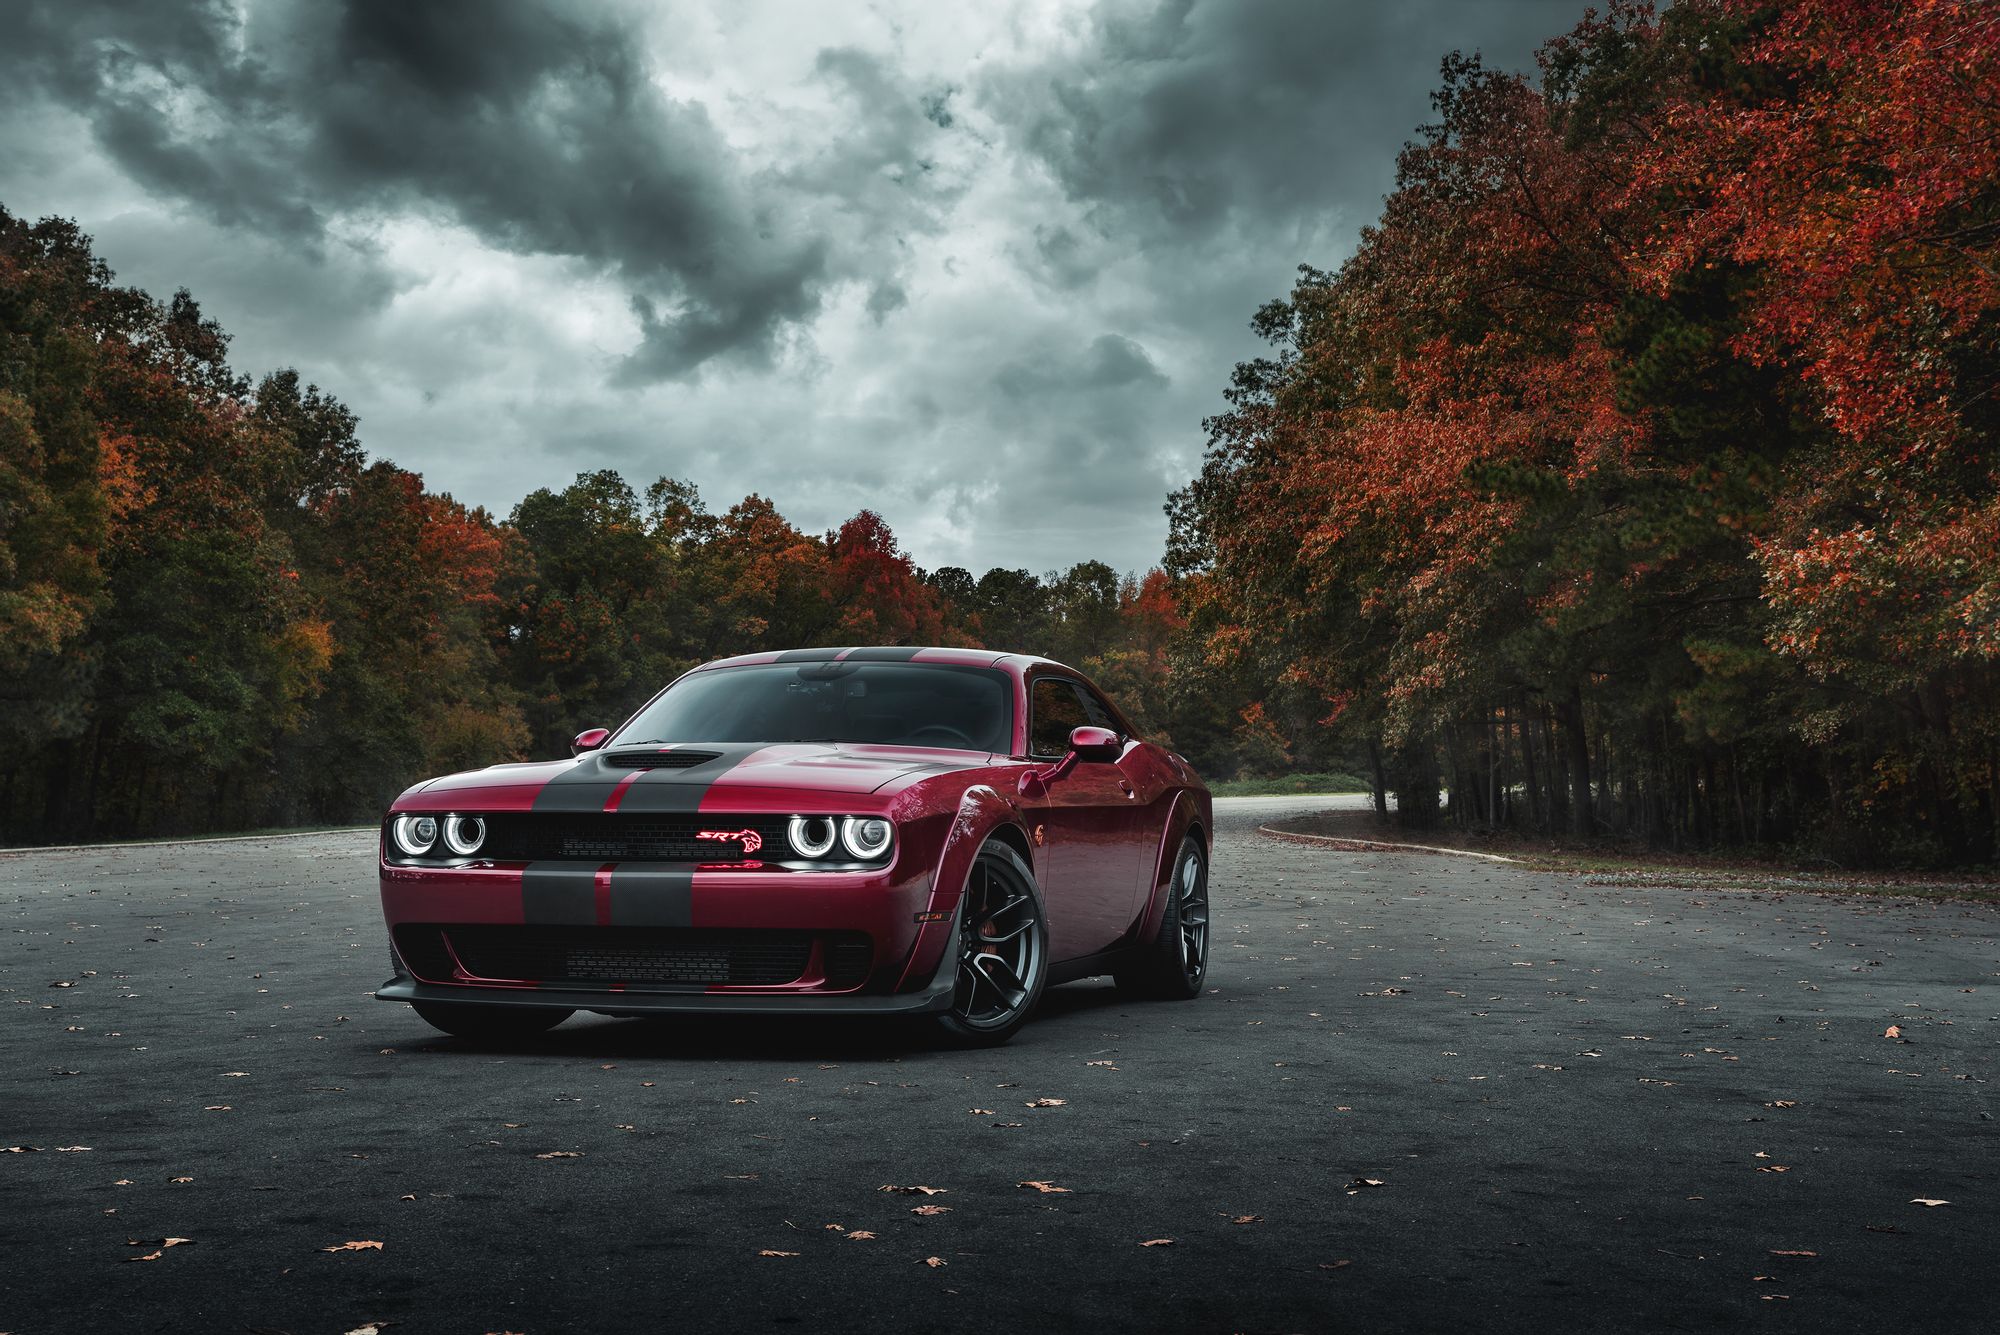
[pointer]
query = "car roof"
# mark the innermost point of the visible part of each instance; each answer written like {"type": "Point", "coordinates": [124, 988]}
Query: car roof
{"type": "Point", "coordinates": [887, 653]}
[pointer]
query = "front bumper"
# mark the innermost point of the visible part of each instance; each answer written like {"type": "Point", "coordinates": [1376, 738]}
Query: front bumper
{"type": "Point", "coordinates": [618, 907]}
{"type": "Point", "coordinates": [932, 999]}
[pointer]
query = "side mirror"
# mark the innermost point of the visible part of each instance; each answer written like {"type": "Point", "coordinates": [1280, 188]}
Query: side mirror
{"type": "Point", "coordinates": [1085, 743]}
{"type": "Point", "coordinates": [1095, 743]}
{"type": "Point", "coordinates": [592, 738]}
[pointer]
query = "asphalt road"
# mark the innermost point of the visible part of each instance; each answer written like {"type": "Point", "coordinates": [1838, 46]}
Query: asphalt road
{"type": "Point", "coordinates": [1424, 1093]}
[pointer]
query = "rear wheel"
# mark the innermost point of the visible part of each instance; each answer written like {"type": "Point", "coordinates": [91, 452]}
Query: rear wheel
{"type": "Point", "coordinates": [1002, 959]}
{"type": "Point", "coordinates": [1174, 964]}
{"type": "Point", "coordinates": [466, 1020]}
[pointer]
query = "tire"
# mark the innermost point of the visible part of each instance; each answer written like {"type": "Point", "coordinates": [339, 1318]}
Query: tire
{"type": "Point", "coordinates": [1174, 964]}
{"type": "Point", "coordinates": [1000, 918]}
{"type": "Point", "coordinates": [470, 1020]}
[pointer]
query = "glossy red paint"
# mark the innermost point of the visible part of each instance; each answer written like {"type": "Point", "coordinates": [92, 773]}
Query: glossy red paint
{"type": "Point", "coordinates": [1112, 814]}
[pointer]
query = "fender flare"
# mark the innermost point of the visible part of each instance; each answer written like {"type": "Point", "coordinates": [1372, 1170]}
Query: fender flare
{"type": "Point", "coordinates": [981, 811]}
{"type": "Point", "coordinates": [1184, 816]}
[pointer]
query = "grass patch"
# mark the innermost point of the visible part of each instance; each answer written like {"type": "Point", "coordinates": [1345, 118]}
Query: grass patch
{"type": "Point", "coordinates": [1289, 783]}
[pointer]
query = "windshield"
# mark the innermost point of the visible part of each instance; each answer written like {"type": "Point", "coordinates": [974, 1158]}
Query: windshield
{"type": "Point", "coordinates": [883, 704]}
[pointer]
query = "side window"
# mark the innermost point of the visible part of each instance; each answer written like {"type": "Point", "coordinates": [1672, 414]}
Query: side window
{"type": "Point", "coordinates": [1056, 710]}
{"type": "Point", "coordinates": [1100, 712]}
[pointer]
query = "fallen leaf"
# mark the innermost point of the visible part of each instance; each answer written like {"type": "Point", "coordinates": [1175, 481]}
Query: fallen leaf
{"type": "Point", "coordinates": [860, 1233]}
{"type": "Point", "coordinates": [1923, 1200]}
{"type": "Point", "coordinates": [928, 1210]}
{"type": "Point", "coordinates": [980, 1112]}
{"type": "Point", "coordinates": [369, 1328]}
{"type": "Point", "coordinates": [1341, 1264]}
{"type": "Point", "coordinates": [1113, 1067]}
{"type": "Point", "coordinates": [1793, 1253]}
{"type": "Point", "coordinates": [1157, 1242]}
{"type": "Point", "coordinates": [934, 1262]}
{"type": "Point", "coordinates": [914, 1191]}
{"type": "Point", "coordinates": [1360, 1184]}
{"type": "Point", "coordinates": [1046, 1188]}
{"type": "Point", "coordinates": [20, 1149]}
{"type": "Point", "coordinates": [406, 1198]}
{"type": "Point", "coordinates": [1248, 1219]}
{"type": "Point", "coordinates": [180, 1179]}
{"type": "Point", "coordinates": [355, 1247]}
{"type": "Point", "coordinates": [1893, 1031]}
{"type": "Point", "coordinates": [561, 1154]}
{"type": "Point", "coordinates": [71, 1149]}
{"type": "Point", "coordinates": [1782, 1103]}
{"type": "Point", "coordinates": [768, 1251]}
{"type": "Point", "coordinates": [235, 1074]}
{"type": "Point", "coordinates": [1774, 1168]}
{"type": "Point", "coordinates": [1046, 1103]}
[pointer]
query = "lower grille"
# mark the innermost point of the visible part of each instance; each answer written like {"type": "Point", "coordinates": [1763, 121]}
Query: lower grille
{"type": "Point", "coordinates": [638, 957]}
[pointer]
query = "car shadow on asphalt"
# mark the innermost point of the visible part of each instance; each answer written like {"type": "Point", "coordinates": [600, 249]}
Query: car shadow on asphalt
{"type": "Point", "coordinates": [777, 1039]}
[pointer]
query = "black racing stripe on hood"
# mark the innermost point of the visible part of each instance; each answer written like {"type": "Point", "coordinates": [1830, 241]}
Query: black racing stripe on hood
{"type": "Point", "coordinates": [679, 791]}
{"type": "Point", "coordinates": [808, 655]}
{"type": "Point", "coordinates": [883, 655]}
{"type": "Point", "coordinates": [584, 786]}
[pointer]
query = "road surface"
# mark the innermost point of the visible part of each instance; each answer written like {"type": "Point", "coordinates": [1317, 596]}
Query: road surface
{"type": "Point", "coordinates": [1423, 1093]}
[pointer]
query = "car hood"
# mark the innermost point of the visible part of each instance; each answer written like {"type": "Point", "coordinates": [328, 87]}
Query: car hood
{"type": "Point", "coordinates": [807, 767]}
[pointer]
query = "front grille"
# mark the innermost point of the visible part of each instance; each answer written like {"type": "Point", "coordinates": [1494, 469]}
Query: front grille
{"type": "Point", "coordinates": [532, 836]}
{"type": "Point", "coordinates": [658, 759]}
{"type": "Point", "coordinates": [641, 956]}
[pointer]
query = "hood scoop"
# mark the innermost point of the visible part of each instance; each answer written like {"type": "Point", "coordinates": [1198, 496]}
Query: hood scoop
{"type": "Point", "coordinates": [658, 759]}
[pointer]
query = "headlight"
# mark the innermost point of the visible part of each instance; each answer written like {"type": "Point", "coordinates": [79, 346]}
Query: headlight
{"type": "Point", "coordinates": [414, 835]}
{"type": "Point", "coordinates": [867, 837]}
{"type": "Point", "coordinates": [464, 834]}
{"type": "Point", "coordinates": [812, 836]}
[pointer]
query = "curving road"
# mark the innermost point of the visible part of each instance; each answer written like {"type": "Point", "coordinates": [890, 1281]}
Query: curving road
{"type": "Point", "coordinates": [1423, 1093]}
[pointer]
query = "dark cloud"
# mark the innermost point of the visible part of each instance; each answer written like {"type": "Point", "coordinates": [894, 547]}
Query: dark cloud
{"type": "Point", "coordinates": [983, 269]}
{"type": "Point", "coordinates": [536, 126]}
{"type": "Point", "coordinates": [1179, 119]}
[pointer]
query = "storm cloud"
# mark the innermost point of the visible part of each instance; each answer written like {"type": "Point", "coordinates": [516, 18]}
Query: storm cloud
{"type": "Point", "coordinates": [983, 269]}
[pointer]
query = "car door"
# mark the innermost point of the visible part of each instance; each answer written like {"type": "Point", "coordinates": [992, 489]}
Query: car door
{"type": "Point", "coordinates": [1085, 825]}
{"type": "Point", "coordinates": [1145, 783]}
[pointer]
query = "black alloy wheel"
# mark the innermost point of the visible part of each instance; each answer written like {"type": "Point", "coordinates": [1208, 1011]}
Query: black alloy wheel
{"type": "Point", "coordinates": [1001, 964]}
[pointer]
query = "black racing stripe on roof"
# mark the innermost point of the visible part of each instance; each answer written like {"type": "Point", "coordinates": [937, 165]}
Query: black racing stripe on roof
{"type": "Point", "coordinates": [808, 655]}
{"type": "Point", "coordinates": [679, 791]}
{"type": "Point", "coordinates": [884, 654]}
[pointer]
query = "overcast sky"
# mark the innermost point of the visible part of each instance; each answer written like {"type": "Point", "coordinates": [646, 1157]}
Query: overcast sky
{"type": "Point", "coordinates": [983, 267]}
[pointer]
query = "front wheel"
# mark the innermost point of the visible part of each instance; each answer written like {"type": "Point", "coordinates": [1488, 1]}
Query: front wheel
{"type": "Point", "coordinates": [465, 1020]}
{"type": "Point", "coordinates": [1174, 964]}
{"type": "Point", "coordinates": [1002, 959]}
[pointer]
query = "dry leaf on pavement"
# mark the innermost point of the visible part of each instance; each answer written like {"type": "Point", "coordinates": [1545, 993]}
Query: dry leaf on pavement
{"type": "Point", "coordinates": [355, 1247]}
{"type": "Point", "coordinates": [1046, 1188]}
{"type": "Point", "coordinates": [769, 1251]}
{"type": "Point", "coordinates": [928, 1210]}
{"type": "Point", "coordinates": [913, 1191]}
{"type": "Point", "coordinates": [1157, 1242]}
{"type": "Point", "coordinates": [561, 1154]}
{"type": "Point", "coordinates": [1924, 1200]}
{"type": "Point", "coordinates": [935, 1261]}
{"type": "Point", "coordinates": [1046, 1103]}
{"type": "Point", "coordinates": [1893, 1031]}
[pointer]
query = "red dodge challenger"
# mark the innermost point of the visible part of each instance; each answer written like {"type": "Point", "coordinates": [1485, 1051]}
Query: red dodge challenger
{"type": "Point", "coordinates": [878, 831]}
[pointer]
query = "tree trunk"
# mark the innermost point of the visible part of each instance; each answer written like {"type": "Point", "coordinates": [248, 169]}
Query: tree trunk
{"type": "Point", "coordinates": [1570, 712]}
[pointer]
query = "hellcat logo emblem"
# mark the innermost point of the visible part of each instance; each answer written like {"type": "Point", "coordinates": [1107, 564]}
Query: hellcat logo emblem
{"type": "Point", "coordinates": [751, 840]}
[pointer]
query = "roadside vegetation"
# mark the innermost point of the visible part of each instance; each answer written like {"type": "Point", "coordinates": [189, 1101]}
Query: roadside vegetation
{"type": "Point", "coordinates": [1635, 479]}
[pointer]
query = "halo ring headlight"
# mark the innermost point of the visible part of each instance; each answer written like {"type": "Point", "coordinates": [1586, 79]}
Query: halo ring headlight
{"type": "Point", "coordinates": [414, 835]}
{"type": "Point", "coordinates": [866, 837]}
{"type": "Point", "coordinates": [464, 834]}
{"type": "Point", "coordinates": [812, 836]}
